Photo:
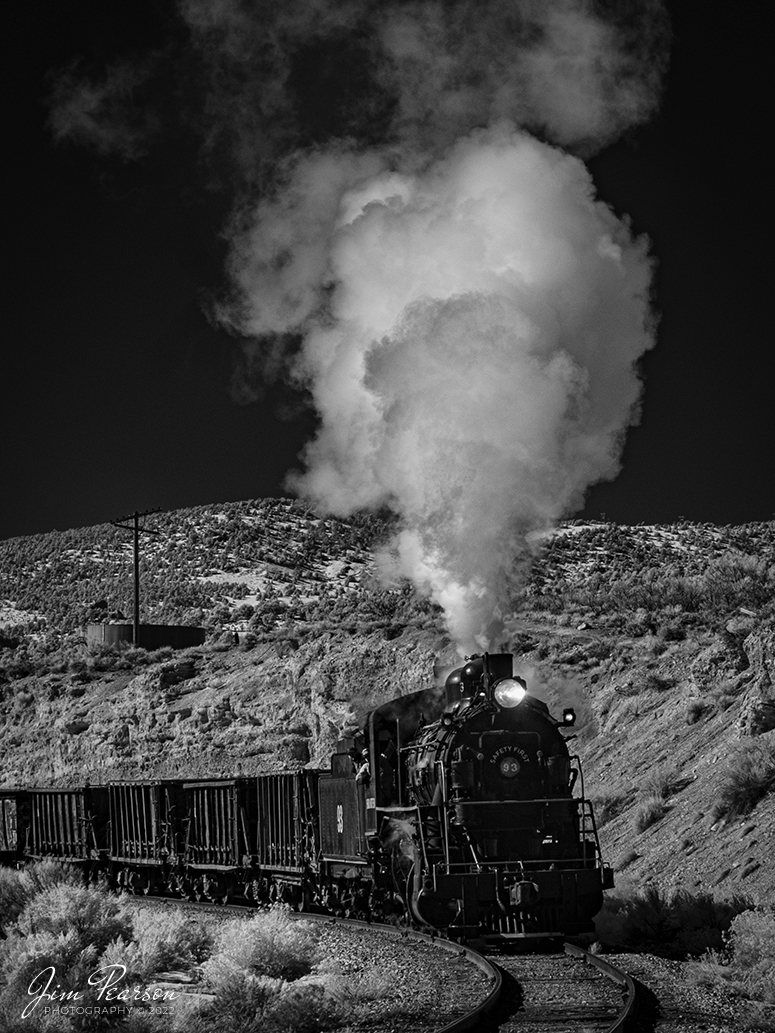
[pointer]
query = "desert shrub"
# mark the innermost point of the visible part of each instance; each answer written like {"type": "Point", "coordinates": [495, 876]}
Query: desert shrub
{"type": "Point", "coordinates": [247, 1003]}
{"type": "Point", "coordinates": [607, 806]}
{"type": "Point", "coordinates": [672, 922]}
{"type": "Point", "coordinates": [267, 944]}
{"type": "Point", "coordinates": [748, 778]}
{"type": "Point", "coordinates": [263, 975]}
{"type": "Point", "coordinates": [103, 656]}
{"type": "Point", "coordinates": [543, 650]}
{"type": "Point", "coordinates": [694, 711]}
{"type": "Point", "coordinates": [324, 999]}
{"type": "Point", "coordinates": [92, 914]}
{"type": "Point", "coordinates": [66, 927]}
{"type": "Point", "coordinates": [17, 888]}
{"type": "Point", "coordinates": [137, 656]}
{"type": "Point", "coordinates": [656, 646]}
{"type": "Point", "coordinates": [14, 894]}
{"type": "Point", "coordinates": [47, 873]}
{"type": "Point", "coordinates": [639, 625]}
{"type": "Point", "coordinates": [23, 963]}
{"type": "Point", "coordinates": [309, 1006]}
{"type": "Point", "coordinates": [736, 579]}
{"type": "Point", "coordinates": [160, 942]}
{"type": "Point", "coordinates": [654, 682]}
{"type": "Point", "coordinates": [648, 813]}
{"type": "Point", "coordinates": [672, 631]}
{"type": "Point", "coordinates": [745, 965]}
{"type": "Point", "coordinates": [725, 693]}
{"type": "Point", "coordinates": [157, 656]}
{"type": "Point", "coordinates": [79, 930]}
{"type": "Point", "coordinates": [241, 1002]}
{"type": "Point", "coordinates": [661, 782]}
{"type": "Point", "coordinates": [626, 859]}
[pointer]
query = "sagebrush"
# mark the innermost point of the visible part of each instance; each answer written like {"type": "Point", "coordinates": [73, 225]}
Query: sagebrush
{"type": "Point", "coordinates": [676, 922]}
{"type": "Point", "coordinates": [748, 778]}
{"type": "Point", "coordinates": [745, 965]}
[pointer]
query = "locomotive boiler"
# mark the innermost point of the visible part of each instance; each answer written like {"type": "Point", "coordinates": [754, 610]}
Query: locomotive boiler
{"type": "Point", "coordinates": [474, 808]}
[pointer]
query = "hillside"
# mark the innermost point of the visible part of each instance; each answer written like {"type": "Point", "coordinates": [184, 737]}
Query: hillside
{"type": "Point", "coordinates": [662, 638]}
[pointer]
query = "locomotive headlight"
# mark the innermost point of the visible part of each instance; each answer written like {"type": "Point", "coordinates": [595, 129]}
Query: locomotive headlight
{"type": "Point", "coordinates": [509, 692]}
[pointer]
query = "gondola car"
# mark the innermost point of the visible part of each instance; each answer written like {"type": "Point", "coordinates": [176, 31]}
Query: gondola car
{"type": "Point", "coordinates": [145, 834]}
{"type": "Point", "coordinates": [69, 824]}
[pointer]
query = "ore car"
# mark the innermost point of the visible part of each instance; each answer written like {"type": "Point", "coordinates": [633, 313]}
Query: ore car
{"type": "Point", "coordinates": [69, 824]}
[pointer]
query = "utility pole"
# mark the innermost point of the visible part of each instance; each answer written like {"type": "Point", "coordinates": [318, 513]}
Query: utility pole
{"type": "Point", "coordinates": [136, 530]}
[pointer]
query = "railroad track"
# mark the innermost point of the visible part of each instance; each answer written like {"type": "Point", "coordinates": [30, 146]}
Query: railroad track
{"type": "Point", "coordinates": [569, 991]}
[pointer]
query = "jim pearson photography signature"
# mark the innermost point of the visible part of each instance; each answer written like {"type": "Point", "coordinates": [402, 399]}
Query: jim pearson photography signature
{"type": "Point", "coordinates": [108, 993]}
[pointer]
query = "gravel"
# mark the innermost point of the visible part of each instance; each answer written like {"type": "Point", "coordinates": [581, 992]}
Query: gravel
{"type": "Point", "coordinates": [420, 987]}
{"type": "Point", "coordinates": [428, 987]}
{"type": "Point", "coordinates": [417, 987]}
{"type": "Point", "coordinates": [670, 1003]}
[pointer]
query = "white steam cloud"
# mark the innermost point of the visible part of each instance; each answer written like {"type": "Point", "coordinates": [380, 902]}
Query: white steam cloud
{"type": "Point", "coordinates": [470, 315]}
{"type": "Point", "coordinates": [473, 365]}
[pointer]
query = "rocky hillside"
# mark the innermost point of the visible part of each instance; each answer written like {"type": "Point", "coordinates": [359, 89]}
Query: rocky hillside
{"type": "Point", "coordinates": [211, 565]}
{"type": "Point", "coordinates": [662, 638]}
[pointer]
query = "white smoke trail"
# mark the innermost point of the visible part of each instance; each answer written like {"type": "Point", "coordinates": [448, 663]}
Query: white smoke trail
{"type": "Point", "coordinates": [474, 364]}
{"type": "Point", "coordinates": [471, 314]}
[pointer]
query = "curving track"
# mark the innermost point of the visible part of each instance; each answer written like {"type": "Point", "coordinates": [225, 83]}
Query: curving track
{"type": "Point", "coordinates": [556, 993]}
{"type": "Point", "coordinates": [569, 991]}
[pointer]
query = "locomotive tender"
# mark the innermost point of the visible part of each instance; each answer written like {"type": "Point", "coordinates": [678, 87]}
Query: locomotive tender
{"type": "Point", "coordinates": [453, 808]}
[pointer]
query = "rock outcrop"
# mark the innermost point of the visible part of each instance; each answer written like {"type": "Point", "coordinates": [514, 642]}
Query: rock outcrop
{"type": "Point", "coordinates": [757, 711]}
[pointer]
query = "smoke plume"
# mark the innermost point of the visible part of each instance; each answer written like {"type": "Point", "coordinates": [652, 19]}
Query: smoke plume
{"type": "Point", "coordinates": [473, 363]}
{"type": "Point", "coordinates": [416, 232]}
{"type": "Point", "coordinates": [471, 314]}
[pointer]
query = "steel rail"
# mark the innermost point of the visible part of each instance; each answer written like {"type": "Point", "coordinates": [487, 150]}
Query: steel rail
{"type": "Point", "coordinates": [459, 1025]}
{"type": "Point", "coordinates": [493, 972]}
{"type": "Point", "coordinates": [470, 1018]}
{"type": "Point", "coordinates": [611, 972]}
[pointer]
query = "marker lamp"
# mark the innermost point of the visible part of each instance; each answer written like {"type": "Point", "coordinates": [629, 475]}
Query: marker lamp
{"type": "Point", "coordinates": [509, 693]}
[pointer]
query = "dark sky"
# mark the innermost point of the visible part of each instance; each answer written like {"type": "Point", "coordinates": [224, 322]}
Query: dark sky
{"type": "Point", "coordinates": [115, 393]}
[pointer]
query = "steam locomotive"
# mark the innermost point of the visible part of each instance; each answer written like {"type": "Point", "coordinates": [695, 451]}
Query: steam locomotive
{"type": "Point", "coordinates": [453, 809]}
